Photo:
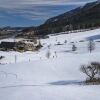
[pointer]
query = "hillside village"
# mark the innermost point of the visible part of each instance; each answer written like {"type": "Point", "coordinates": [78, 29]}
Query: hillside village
{"type": "Point", "coordinates": [20, 46]}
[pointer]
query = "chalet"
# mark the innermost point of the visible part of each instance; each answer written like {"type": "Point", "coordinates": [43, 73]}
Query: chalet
{"type": "Point", "coordinates": [20, 46]}
{"type": "Point", "coordinates": [7, 46]}
{"type": "Point", "coordinates": [30, 47]}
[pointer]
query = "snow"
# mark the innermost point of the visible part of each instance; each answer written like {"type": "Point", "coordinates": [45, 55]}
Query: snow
{"type": "Point", "coordinates": [51, 93]}
{"type": "Point", "coordinates": [35, 77]}
{"type": "Point", "coordinates": [55, 20]}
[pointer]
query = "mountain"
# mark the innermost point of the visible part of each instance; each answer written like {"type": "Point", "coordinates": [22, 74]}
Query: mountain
{"type": "Point", "coordinates": [86, 16]}
{"type": "Point", "coordinates": [13, 28]}
{"type": "Point", "coordinates": [8, 31]}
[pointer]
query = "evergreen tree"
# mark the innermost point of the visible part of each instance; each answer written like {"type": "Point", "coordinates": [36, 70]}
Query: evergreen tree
{"type": "Point", "coordinates": [74, 48]}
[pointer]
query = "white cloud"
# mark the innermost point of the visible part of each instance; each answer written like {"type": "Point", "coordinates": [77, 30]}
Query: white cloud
{"type": "Point", "coordinates": [21, 3]}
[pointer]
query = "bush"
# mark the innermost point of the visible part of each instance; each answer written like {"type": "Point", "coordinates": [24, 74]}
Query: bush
{"type": "Point", "coordinates": [92, 70]}
{"type": "Point", "coordinates": [1, 57]}
{"type": "Point", "coordinates": [74, 48]}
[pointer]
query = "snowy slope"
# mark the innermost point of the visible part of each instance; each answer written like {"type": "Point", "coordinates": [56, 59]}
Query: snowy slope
{"type": "Point", "coordinates": [35, 77]}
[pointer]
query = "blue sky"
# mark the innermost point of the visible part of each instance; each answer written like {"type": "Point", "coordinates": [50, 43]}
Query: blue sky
{"type": "Point", "coordinates": [33, 12]}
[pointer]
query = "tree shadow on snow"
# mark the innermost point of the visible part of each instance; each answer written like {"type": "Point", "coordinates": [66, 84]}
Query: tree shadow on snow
{"type": "Point", "coordinates": [69, 51]}
{"type": "Point", "coordinates": [64, 82]}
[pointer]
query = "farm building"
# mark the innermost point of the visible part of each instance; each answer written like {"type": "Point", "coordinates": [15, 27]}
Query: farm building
{"type": "Point", "coordinates": [17, 46]}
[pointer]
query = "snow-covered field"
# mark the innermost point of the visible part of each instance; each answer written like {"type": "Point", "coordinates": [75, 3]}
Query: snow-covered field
{"type": "Point", "coordinates": [32, 76]}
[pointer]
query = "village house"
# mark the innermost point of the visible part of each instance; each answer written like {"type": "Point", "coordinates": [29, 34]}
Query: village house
{"type": "Point", "coordinates": [6, 46]}
{"type": "Point", "coordinates": [22, 46]}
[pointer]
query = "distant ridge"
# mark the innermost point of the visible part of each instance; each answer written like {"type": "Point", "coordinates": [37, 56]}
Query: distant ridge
{"type": "Point", "coordinates": [83, 17]}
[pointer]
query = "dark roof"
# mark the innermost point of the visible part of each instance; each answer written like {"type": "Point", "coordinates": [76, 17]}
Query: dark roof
{"type": "Point", "coordinates": [8, 45]}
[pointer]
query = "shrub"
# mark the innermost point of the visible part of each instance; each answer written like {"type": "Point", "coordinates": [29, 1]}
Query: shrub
{"type": "Point", "coordinates": [92, 70]}
{"type": "Point", "coordinates": [74, 48]}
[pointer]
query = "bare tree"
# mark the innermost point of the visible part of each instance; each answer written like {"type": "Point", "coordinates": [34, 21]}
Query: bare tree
{"type": "Point", "coordinates": [40, 43]}
{"type": "Point", "coordinates": [92, 70]}
{"type": "Point", "coordinates": [70, 27]}
{"type": "Point", "coordinates": [48, 54]}
{"type": "Point", "coordinates": [91, 45]}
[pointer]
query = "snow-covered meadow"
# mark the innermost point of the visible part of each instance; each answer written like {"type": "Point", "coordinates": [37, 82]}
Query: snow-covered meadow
{"type": "Point", "coordinates": [33, 76]}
